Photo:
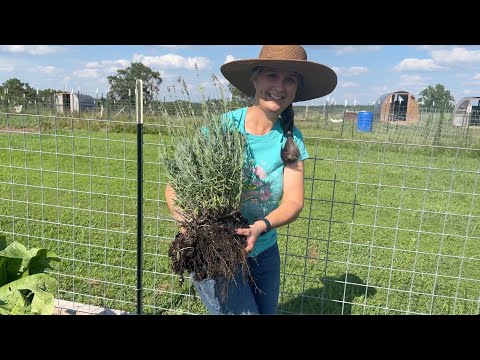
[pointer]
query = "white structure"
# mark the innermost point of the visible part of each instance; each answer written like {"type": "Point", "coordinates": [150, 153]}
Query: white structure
{"type": "Point", "coordinates": [467, 112]}
{"type": "Point", "coordinates": [70, 102]}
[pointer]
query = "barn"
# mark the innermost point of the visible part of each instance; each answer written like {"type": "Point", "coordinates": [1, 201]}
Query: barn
{"type": "Point", "coordinates": [467, 112]}
{"type": "Point", "coordinates": [399, 106]}
{"type": "Point", "coordinates": [73, 102]}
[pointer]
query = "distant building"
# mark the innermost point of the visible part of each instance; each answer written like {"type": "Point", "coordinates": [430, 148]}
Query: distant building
{"type": "Point", "coordinates": [400, 107]}
{"type": "Point", "coordinates": [467, 112]}
{"type": "Point", "coordinates": [73, 102]}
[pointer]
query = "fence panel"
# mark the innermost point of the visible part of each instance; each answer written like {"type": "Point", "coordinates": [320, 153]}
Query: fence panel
{"type": "Point", "coordinates": [390, 223]}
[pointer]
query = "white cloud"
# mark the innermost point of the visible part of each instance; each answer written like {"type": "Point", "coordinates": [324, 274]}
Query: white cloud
{"type": "Point", "coordinates": [66, 79]}
{"type": "Point", "coordinates": [476, 77]}
{"type": "Point", "coordinates": [412, 80]}
{"type": "Point", "coordinates": [346, 49]}
{"type": "Point", "coordinates": [87, 73]}
{"type": "Point", "coordinates": [6, 65]}
{"type": "Point", "coordinates": [411, 77]}
{"type": "Point", "coordinates": [31, 49]}
{"type": "Point", "coordinates": [412, 64]}
{"type": "Point", "coordinates": [48, 70]}
{"type": "Point", "coordinates": [340, 50]}
{"type": "Point", "coordinates": [381, 89]}
{"type": "Point", "coordinates": [229, 58]}
{"type": "Point", "coordinates": [101, 69]}
{"type": "Point", "coordinates": [456, 55]}
{"type": "Point", "coordinates": [411, 83]}
{"type": "Point", "coordinates": [348, 84]}
{"type": "Point", "coordinates": [432, 47]}
{"type": "Point", "coordinates": [174, 61]}
{"type": "Point", "coordinates": [350, 71]}
{"type": "Point", "coordinates": [167, 75]}
{"type": "Point", "coordinates": [6, 68]}
{"type": "Point", "coordinates": [107, 63]}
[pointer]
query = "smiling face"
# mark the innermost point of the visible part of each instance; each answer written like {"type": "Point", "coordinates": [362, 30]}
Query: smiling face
{"type": "Point", "coordinates": [275, 88]}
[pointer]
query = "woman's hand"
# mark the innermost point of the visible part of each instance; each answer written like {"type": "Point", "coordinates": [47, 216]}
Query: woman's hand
{"type": "Point", "coordinates": [252, 233]}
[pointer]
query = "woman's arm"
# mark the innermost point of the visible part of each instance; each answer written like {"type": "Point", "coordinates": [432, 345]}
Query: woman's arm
{"type": "Point", "coordinates": [293, 196]}
{"type": "Point", "coordinates": [290, 207]}
{"type": "Point", "coordinates": [170, 197]}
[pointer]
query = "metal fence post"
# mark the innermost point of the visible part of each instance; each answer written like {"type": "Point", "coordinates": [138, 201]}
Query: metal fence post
{"type": "Point", "coordinates": [139, 116]}
{"type": "Point", "coordinates": [129, 105]}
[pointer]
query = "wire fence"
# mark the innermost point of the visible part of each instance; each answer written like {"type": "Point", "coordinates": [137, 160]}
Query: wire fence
{"type": "Point", "coordinates": [390, 223]}
{"type": "Point", "coordinates": [76, 104]}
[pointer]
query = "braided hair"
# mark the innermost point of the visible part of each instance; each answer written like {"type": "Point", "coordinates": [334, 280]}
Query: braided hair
{"type": "Point", "coordinates": [290, 152]}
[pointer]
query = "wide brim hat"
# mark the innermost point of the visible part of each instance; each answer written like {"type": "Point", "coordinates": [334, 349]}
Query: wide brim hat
{"type": "Point", "coordinates": [318, 79]}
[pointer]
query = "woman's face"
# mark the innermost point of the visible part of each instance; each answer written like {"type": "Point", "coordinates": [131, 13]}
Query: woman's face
{"type": "Point", "coordinates": [275, 88]}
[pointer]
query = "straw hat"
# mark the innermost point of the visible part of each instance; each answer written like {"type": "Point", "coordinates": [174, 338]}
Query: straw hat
{"type": "Point", "coordinates": [318, 80]}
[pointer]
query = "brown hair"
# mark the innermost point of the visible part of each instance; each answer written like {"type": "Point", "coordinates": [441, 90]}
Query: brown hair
{"type": "Point", "coordinates": [290, 152]}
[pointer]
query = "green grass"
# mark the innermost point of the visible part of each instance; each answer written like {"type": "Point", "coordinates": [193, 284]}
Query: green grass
{"type": "Point", "coordinates": [386, 228]}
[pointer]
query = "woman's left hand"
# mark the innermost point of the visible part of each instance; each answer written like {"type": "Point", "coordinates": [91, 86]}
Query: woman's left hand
{"type": "Point", "coordinates": [252, 233]}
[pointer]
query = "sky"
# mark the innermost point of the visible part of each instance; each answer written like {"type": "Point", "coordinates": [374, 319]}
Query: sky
{"type": "Point", "coordinates": [364, 72]}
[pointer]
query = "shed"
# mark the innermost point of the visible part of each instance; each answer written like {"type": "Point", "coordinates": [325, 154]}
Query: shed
{"type": "Point", "coordinates": [70, 102]}
{"type": "Point", "coordinates": [398, 106]}
{"type": "Point", "coordinates": [467, 112]}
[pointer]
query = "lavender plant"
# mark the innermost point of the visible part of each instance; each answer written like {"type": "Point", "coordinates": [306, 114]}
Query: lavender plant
{"type": "Point", "coordinates": [204, 160]}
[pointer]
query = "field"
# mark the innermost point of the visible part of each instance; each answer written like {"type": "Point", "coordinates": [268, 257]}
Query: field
{"type": "Point", "coordinates": [390, 223]}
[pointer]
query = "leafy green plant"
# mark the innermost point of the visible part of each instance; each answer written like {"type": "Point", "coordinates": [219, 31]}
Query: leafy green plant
{"type": "Point", "coordinates": [25, 288]}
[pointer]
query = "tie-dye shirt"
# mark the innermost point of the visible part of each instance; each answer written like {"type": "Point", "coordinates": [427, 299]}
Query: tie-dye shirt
{"type": "Point", "coordinates": [266, 173]}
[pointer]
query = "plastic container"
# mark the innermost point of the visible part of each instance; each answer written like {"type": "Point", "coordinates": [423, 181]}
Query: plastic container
{"type": "Point", "coordinates": [365, 121]}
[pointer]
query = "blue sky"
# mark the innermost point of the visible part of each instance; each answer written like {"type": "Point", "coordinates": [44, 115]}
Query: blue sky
{"type": "Point", "coordinates": [365, 72]}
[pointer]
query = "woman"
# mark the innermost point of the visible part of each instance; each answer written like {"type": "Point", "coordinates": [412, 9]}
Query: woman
{"type": "Point", "coordinates": [280, 76]}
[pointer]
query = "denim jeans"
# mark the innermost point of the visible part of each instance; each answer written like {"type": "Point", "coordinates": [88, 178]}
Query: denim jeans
{"type": "Point", "coordinates": [245, 297]}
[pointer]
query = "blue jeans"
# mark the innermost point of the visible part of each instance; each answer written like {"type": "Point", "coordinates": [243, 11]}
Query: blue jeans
{"type": "Point", "coordinates": [246, 297]}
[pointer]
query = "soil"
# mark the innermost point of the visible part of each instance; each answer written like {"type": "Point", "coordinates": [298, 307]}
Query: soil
{"type": "Point", "coordinates": [211, 249]}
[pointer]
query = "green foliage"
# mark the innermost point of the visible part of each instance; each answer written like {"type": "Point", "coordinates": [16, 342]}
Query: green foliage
{"type": "Point", "coordinates": [24, 287]}
{"type": "Point", "coordinates": [125, 80]}
{"type": "Point", "coordinates": [47, 93]}
{"type": "Point", "coordinates": [17, 89]}
{"type": "Point", "coordinates": [437, 95]}
{"type": "Point", "coordinates": [239, 99]}
{"type": "Point", "coordinates": [32, 295]}
{"type": "Point", "coordinates": [438, 131]}
{"type": "Point", "coordinates": [205, 165]}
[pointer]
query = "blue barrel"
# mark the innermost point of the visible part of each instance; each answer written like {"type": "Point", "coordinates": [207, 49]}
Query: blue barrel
{"type": "Point", "coordinates": [365, 121]}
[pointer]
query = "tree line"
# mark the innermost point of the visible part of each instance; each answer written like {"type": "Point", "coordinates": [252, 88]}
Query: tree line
{"type": "Point", "coordinates": [121, 85]}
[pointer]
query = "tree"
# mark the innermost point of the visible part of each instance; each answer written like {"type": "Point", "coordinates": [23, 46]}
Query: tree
{"type": "Point", "coordinates": [17, 89]}
{"type": "Point", "coordinates": [126, 79]}
{"type": "Point", "coordinates": [47, 92]}
{"type": "Point", "coordinates": [46, 95]}
{"type": "Point", "coordinates": [436, 96]}
{"type": "Point", "coordinates": [239, 99]}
